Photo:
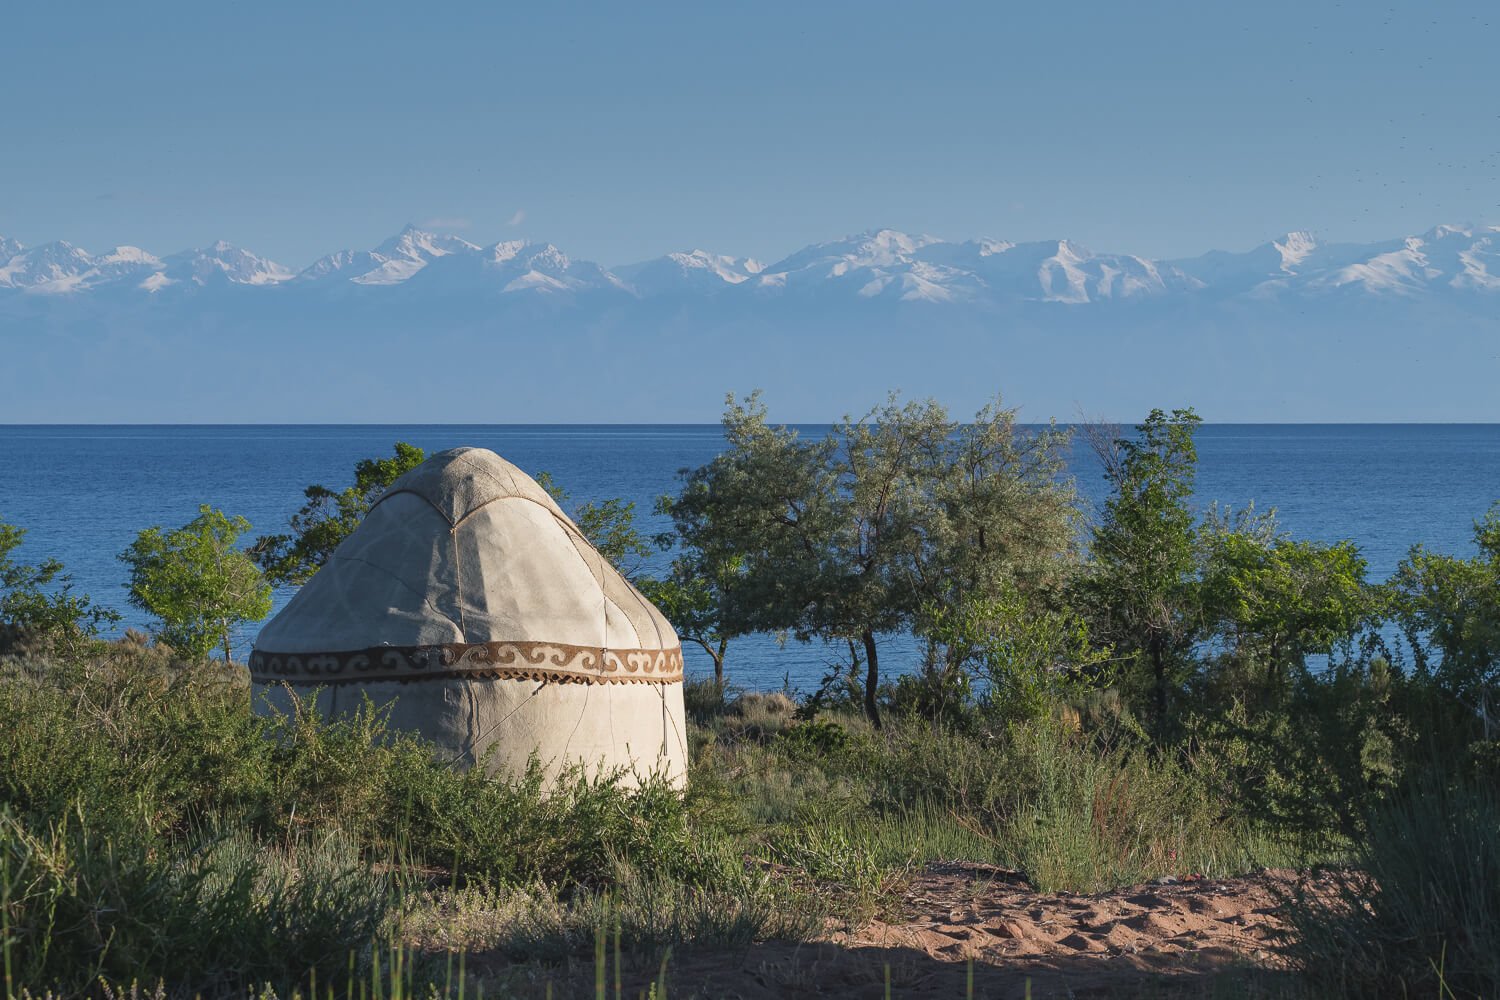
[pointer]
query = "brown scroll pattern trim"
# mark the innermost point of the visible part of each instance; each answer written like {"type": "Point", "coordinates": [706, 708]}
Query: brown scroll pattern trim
{"type": "Point", "coordinates": [518, 660]}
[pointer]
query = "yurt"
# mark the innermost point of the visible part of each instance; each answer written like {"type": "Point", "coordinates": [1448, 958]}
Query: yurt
{"type": "Point", "coordinates": [472, 606]}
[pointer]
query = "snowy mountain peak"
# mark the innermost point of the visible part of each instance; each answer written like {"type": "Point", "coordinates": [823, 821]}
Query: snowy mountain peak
{"type": "Point", "coordinates": [9, 248]}
{"type": "Point", "coordinates": [897, 240]}
{"type": "Point", "coordinates": [223, 261]}
{"type": "Point", "coordinates": [1295, 247]}
{"type": "Point", "coordinates": [691, 270]}
{"type": "Point", "coordinates": [889, 244]}
{"type": "Point", "coordinates": [988, 247]}
{"type": "Point", "coordinates": [399, 257]}
{"type": "Point", "coordinates": [128, 255]}
{"type": "Point", "coordinates": [1069, 251]}
{"type": "Point", "coordinates": [506, 250]}
{"type": "Point", "coordinates": [50, 268]}
{"type": "Point", "coordinates": [873, 248]}
{"type": "Point", "coordinates": [731, 269]}
{"type": "Point", "coordinates": [1441, 232]}
{"type": "Point", "coordinates": [416, 243]}
{"type": "Point", "coordinates": [354, 262]}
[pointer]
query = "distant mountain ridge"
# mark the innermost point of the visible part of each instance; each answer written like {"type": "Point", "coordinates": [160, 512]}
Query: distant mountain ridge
{"type": "Point", "coordinates": [432, 328]}
{"type": "Point", "coordinates": [877, 265]}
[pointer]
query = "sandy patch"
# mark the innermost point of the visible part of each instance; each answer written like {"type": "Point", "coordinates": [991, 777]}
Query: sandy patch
{"type": "Point", "coordinates": [1174, 938]}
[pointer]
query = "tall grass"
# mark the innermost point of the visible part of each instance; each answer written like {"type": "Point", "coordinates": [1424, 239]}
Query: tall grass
{"type": "Point", "coordinates": [153, 826]}
{"type": "Point", "coordinates": [218, 914]}
{"type": "Point", "coordinates": [1418, 913]}
{"type": "Point", "coordinates": [1074, 810]}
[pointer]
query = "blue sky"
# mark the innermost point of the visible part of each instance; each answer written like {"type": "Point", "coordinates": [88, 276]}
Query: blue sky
{"type": "Point", "coordinates": [621, 132]}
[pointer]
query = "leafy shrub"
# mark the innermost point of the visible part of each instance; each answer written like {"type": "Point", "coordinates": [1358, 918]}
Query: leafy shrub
{"type": "Point", "coordinates": [1313, 765]}
{"type": "Point", "coordinates": [1419, 912]}
{"type": "Point", "coordinates": [814, 738]}
{"type": "Point", "coordinates": [38, 608]}
{"type": "Point", "coordinates": [209, 915]}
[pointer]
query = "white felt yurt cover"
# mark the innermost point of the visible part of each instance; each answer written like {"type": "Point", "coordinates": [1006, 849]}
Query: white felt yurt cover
{"type": "Point", "coordinates": [469, 603]}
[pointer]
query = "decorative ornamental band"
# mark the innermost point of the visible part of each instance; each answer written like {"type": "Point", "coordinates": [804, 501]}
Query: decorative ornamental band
{"type": "Point", "coordinates": [519, 660]}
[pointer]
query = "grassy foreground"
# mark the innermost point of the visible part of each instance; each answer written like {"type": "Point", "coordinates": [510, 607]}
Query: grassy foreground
{"type": "Point", "coordinates": [153, 830]}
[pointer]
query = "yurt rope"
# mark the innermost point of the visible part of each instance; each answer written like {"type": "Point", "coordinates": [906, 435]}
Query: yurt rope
{"type": "Point", "coordinates": [474, 744]}
{"type": "Point", "coordinates": [666, 715]}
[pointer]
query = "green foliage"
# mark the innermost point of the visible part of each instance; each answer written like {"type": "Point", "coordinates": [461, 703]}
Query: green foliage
{"type": "Point", "coordinates": [196, 582]}
{"type": "Point", "coordinates": [37, 603]}
{"type": "Point", "coordinates": [1275, 600]}
{"type": "Point", "coordinates": [815, 737]}
{"type": "Point", "coordinates": [329, 517]}
{"type": "Point", "coordinates": [1449, 609]}
{"type": "Point", "coordinates": [215, 916]}
{"type": "Point", "coordinates": [1336, 744]}
{"type": "Point", "coordinates": [692, 599]}
{"type": "Point", "coordinates": [1076, 810]}
{"type": "Point", "coordinates": [1418, 914]}
{"type": "Point", "coordinates": [1104, 813]}
{"type": "Point", "coordinates": [853, 535]}
{"type": "Point", "coordinates": [1140, 587]}
{"type": "Point", "coordinates": [1025, 657]}
{"type": "Point", "coordinates": [703, 700]}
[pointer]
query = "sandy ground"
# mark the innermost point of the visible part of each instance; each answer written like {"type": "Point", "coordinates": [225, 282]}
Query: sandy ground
{"type": "Point", "coordinates": [1187, 938]}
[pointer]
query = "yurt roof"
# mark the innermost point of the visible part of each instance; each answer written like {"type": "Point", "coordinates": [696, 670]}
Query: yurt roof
{"type": "Point", "coordinates": [467, 567]}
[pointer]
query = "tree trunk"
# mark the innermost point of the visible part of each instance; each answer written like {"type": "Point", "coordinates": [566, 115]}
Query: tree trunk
{"type": "Point", "coordinates": [872, 678]}
{"type": "Point", "coordinates": [226, 649]}
{"type": "Point", "coordinates": [717, 655]}
{"type": "Point", "coordinates": [1159, 666]}
{"type": "Point", "coordinates": [1273, 675]}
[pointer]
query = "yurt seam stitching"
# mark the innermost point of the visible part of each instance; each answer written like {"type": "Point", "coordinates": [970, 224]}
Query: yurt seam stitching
{"type": "Point", "coordinates": [493, 500]}
{"type": "Point", "coordinates": [582, 711]}
{"type": "Point", "coordinates": [458, 574]}
{"type": "Point", "coordinates": [426, 599]}
{"type": "Point", "coordinates": [598, 574]}
{"type": "Point", "coordinates": [640, 640]}
{"type": "Point", "coordinates": [420, 496]}
{"type": "Point", "coordinates": [646, 609]}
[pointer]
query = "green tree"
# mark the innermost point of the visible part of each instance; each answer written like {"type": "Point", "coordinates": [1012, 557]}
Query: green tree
{"type": "Point", "coordinates": [197, 582]}
{"type": "Point", "coordinates": [1003, 528]}
{"type": "Point", "coordinates": [851, 536]}
{"type": "Point", "coordinates": [1027, 657]}
{"type": "Point", "coordinates": [692, 596]}
{"type": "Point", "coordinates": [1140, 587]}
{"type": "Point", "coordinates": [37, 603]}
{"type": "Point", "coordinates": [825, 529]}
{"type": "Point", "coordinates": [1274, 600]}
{"type": "Point", "coordinates": [1449, 609]}
{"type": "Point", "coordinates": [328, 517]}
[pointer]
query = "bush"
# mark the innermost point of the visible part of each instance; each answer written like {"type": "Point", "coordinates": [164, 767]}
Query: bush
{"type": "Point", "coordinates": [1313, 764]}
{"type": "Point", "coordinates": [704, 700]}
{"type": "Point", "coordinates": [79, 905]}
{"type": "Point", "coordinates": [38, 608]}
{"type": "Point", "coordinates": [1418, 914]}
{"type": "Point", "coordinates": [178, 750]}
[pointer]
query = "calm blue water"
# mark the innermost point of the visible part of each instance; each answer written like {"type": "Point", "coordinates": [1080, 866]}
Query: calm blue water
{"type": "Point", "coordinates": [82, 493]}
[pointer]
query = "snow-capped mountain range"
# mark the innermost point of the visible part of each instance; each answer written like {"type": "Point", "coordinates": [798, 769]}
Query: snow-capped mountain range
{"type": "Point", "coordinates": [876, 265]}
{"type": "Point", "coordinates": [433, 328]}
